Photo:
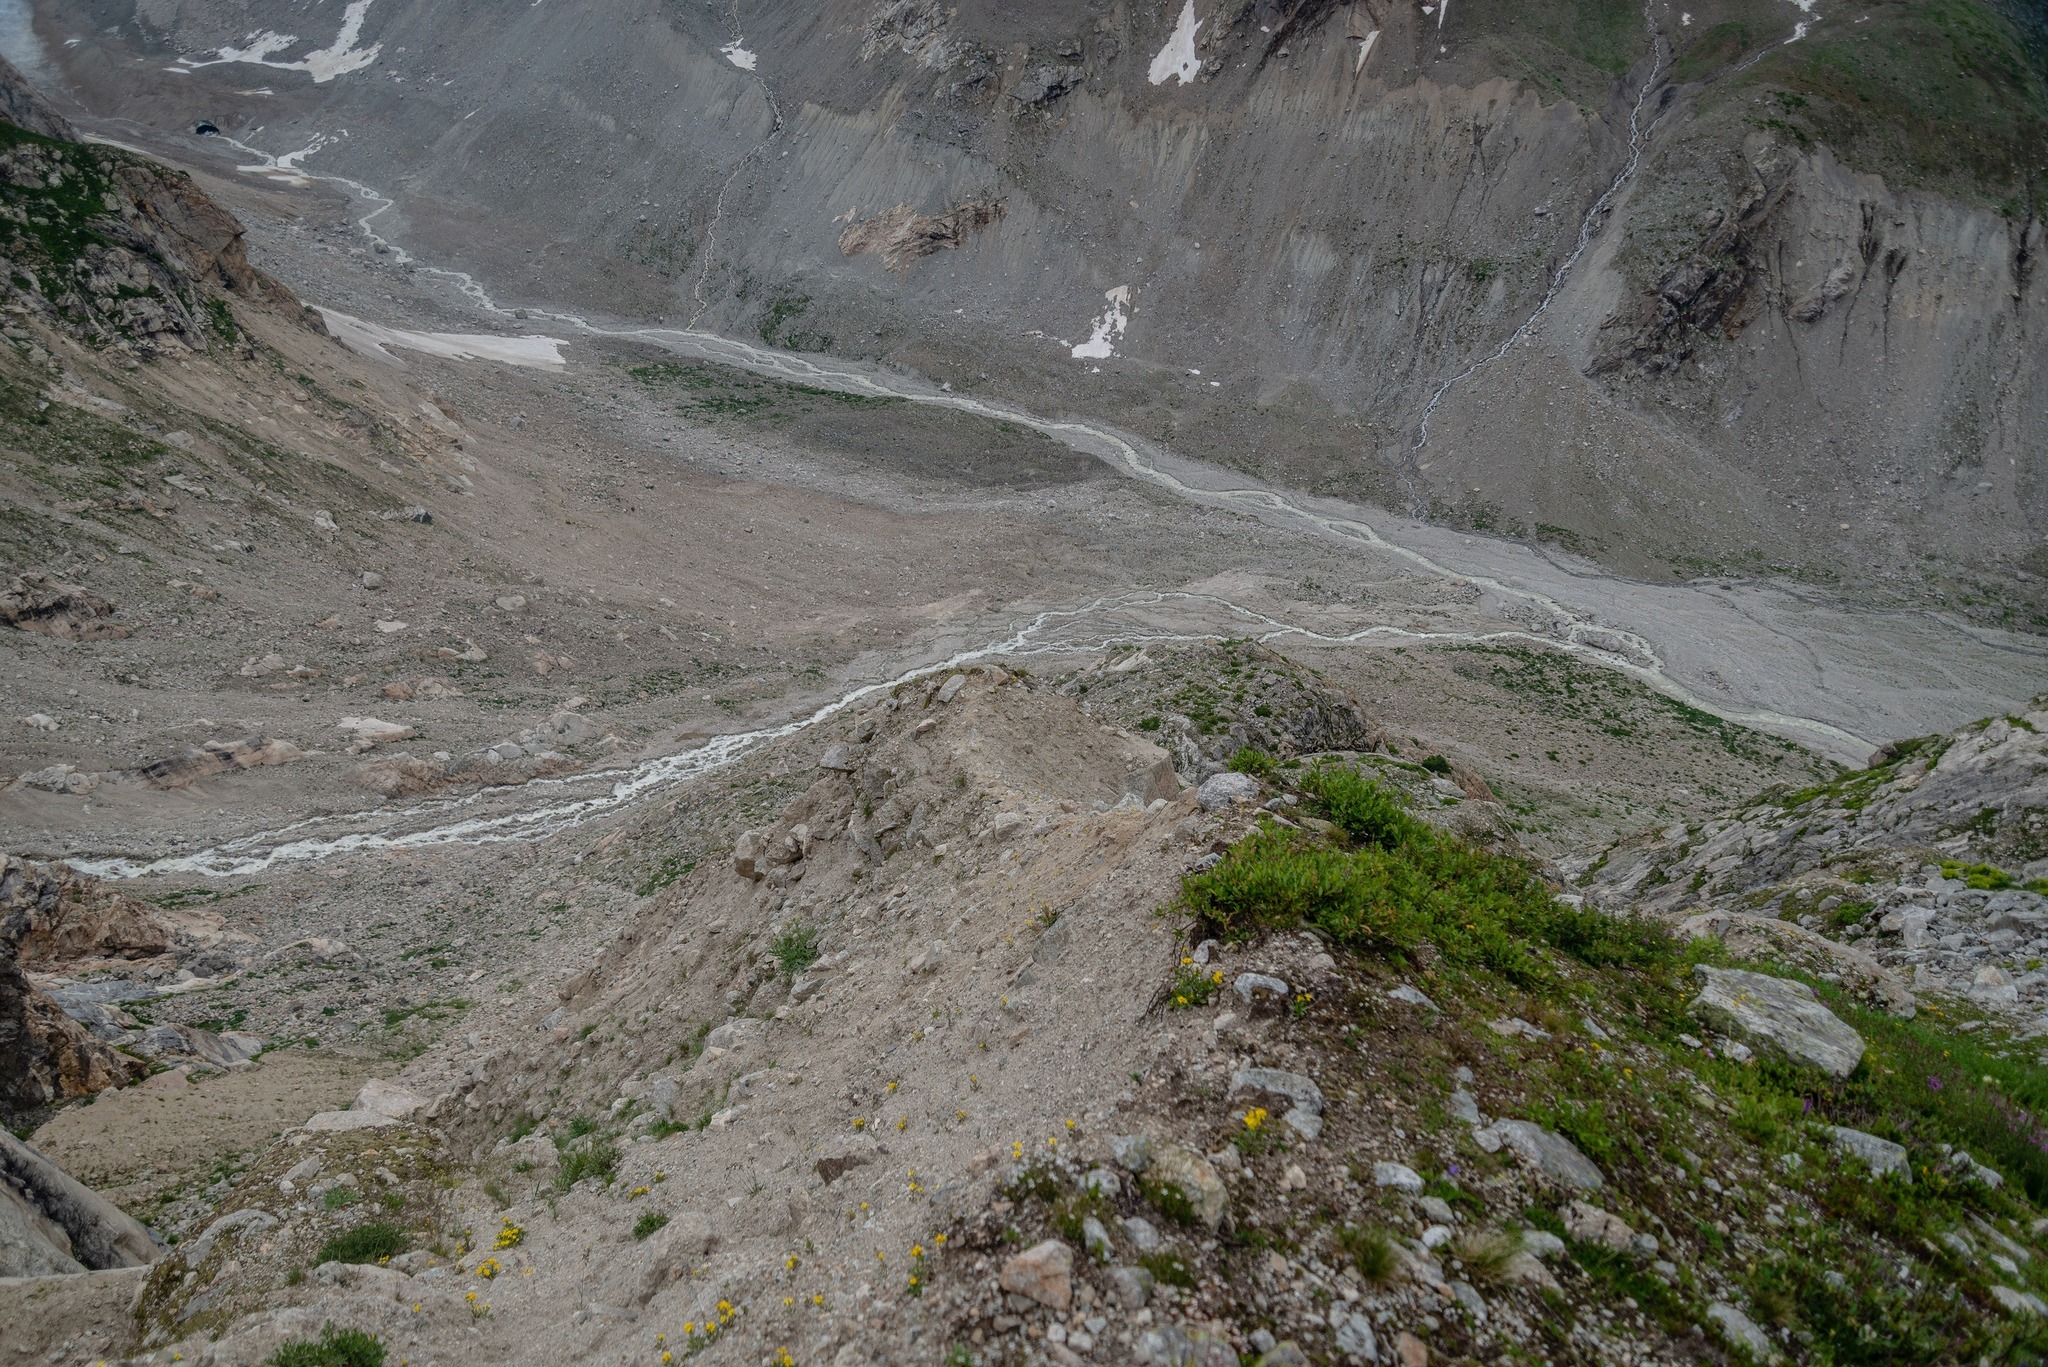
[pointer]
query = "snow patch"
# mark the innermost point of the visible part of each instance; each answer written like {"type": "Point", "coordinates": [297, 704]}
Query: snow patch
{"type": "Point", "coordinates": [371, 339]}
{"type": "Point", "coordinates": [1178, 57]}
{"type": "Point", "coordinates": [285, 169]}
{"type": "Point", "coordinates": [1365, 50]}
{"type": "Point", "coordinates": [338, 58]}
{"type": "Point", "coordinates": [1109, 328]}
{"type": "Point", "coordinates": [736, 53]}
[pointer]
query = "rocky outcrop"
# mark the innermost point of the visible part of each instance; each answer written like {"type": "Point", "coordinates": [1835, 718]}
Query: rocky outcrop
{"type": "Point", "coordinates": [76, 921]}
{"type": "Point", "coordinates": [112, 246]}
{"type": "Point", "coordinates": [45, 1056]}
{"type": "Point", "coordinates": [42, 605]}
{"type": "Point", "coordinates": [902, 235]}
{"type": "Point", "coordinates": [1925, 872]}
{"type": "Point", "coordinates": [23, 105]}
{"type": "Point", "coordinates": [208, 758]}
{"type": "Point", "coordinates": [51, 1223]}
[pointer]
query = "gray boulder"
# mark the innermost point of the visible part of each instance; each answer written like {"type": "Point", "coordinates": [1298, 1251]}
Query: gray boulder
{"type": "Point", "coordinates": [1550, 1154]}
{"type": "Point", "coordinates": [1292, 1088]}
{"type": "Point", "coordinates": [1221, 790]}
{"type": "Point", "coordinates": [50, 1222]}
{"type": "Point", "coordinates": [1742, 1332]}
{"type": "Point", "coordinates": [1779, 1015]}
{"type": "Point", "coordinates": [1881, 1156]}
{"type": "Point", "coordinates": [1178, 1175]}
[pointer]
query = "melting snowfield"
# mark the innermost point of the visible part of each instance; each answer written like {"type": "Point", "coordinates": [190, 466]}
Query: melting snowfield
{"type": "Point", "coordinates": [1178, 57]}
{"type": "Point", "coordinates": [1109, 328]}
{"type": "Point", "coordinates": [336, 59]}
{"type": "Point", "coordinates": [371, 339]}
{"type": "Point", "coordinates": [736, 52]}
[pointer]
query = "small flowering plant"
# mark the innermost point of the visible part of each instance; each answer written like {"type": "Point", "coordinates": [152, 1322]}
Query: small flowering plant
{"type": "Point", "coordinates": [915, 1286]}
{"type": "Point", "coordinates": [510, 1236]}
{"type": "Point", "coordinates": [1193, 986]}
{"type": "Point", "coordinates": [1257, 1135]}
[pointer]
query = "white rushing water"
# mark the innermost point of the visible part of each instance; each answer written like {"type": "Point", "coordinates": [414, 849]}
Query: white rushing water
{"type": "Point", "coordinates": [1819, 673]}
{"type": "Point", "coordinates": [1589, 228]}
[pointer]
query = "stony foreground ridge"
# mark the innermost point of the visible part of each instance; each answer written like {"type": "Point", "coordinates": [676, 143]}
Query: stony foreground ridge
{"type": "Point", "coordinates": [1925, 873]}
{"type": "Point", "coordinates": [941, 1064]}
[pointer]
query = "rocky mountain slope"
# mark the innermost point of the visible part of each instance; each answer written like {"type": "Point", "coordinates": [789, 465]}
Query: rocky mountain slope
{"type": "Point", "coordinates": [514, 857]}
{"type": "Point", "coordinates": [1932, 863]}
{"type": "Point", "coordinates": [1800, 339]}
{"type": "Point", "coordinates": [996, 1043]}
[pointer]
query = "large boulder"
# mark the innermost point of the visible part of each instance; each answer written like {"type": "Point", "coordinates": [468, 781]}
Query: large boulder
{"type": "Point", "coordinates": [1222, 790]}
{"type": "Point", "coordinates": [1044, 1272]}
{"type": "Point", "coordinates": [1779, 1015]}
{"type": "Point", "coordinates": [1548, 1153]}
{"type": "Point", "coordinates": [52, 1223]}
{"type": "Point", "coordinates": [45, 1056]}
{"type": "Point", "coordinates": [1181, 1182]}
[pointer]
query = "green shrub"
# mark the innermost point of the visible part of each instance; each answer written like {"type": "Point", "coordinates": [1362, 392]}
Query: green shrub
{"type": "Point", "coordinates": [648, 1224]}
{"type": "Point", "coordinates": [369, 1243]}
{"type": "Point", "coordinates": [334, 1348]}
{"type": "Point", "coordinates": [1251, 760]}
{"type": "Point", "coordinates": [1361, 808]}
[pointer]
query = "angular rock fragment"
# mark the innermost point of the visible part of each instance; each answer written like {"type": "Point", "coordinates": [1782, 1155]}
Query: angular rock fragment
{"type": "Point", "coordinates": [1779, 1015]}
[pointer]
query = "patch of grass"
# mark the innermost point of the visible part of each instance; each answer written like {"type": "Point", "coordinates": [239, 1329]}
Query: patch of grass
{"type": "Point", "coordinates": [1982, 877]}
{"type": "Point", "coordinates": [796, 949]}
{"type": "Point", "coordinates": [334, 1348]}
{"type": "Point", "coordinates": [1371, 1250]}
{"type": "Point", "coordinates": [1940, 92]}
{"type": "Point", "coordinates": [1169, 1200]}
{"type": "Point", "coordinates": [599, 1159]}
{"type": "Point", "coordinates": [338, 1197]}
{"type": "Point", "coordinates": [648, 1223]}
{"type": "Point", "coordinates": [1715, 48]}
{"type": "Point", "coordinates": [1403, 885]}
{"type": "Point", "coordinates": [1167, 1268]}
{"type": "Point", "coordinates": [670, 869]}
{"type": "Point", "coordinates": [369, 1243]}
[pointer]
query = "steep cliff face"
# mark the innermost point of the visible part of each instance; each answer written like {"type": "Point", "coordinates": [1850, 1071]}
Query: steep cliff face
{"type": "Point", "coordinates": [1289, 237]}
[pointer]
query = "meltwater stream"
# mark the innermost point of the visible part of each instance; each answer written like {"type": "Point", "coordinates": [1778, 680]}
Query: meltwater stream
{"type": "Point", "coordinates": [1774, 644]}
